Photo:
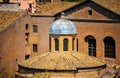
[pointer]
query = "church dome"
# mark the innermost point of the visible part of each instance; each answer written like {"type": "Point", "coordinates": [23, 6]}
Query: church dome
{"type": "Point", "coordinates": [62, 26]}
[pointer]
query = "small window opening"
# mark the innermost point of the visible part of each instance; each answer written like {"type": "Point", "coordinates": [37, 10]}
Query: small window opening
{"type": "Point", "coordinates": [27, 34]}
{"type": "Point", "coordinates": [30, 5]}
{"type": "Point", "coordinates": [35, 28]}
{"type": "Point", "coordinates": [35, 47]}
{"type": "Point", "coordinates": [26, 26]}
{"type": "Point", "coordinates": [90, 12]}
{"type": "Point", "coordinates": [19, 4]}
{"type": "Point", "coordinates": [65, 44]}
{"type": "Point", "coordinates": [56, 45]}
{"type": "Point", "coordinates": [27, 57]}
{"type": "Point", "coordinates": [16, 59]}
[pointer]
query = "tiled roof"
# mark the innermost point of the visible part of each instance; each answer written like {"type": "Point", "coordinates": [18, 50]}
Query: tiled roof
{"type": "Point", "coordinates": [113, 5]}
{"type": "Point", "coordinates": [62, 61]}
{"type": "Point", "coordinates": [8, 17]}
{"type": "Point", "coordinates": [55, 7]}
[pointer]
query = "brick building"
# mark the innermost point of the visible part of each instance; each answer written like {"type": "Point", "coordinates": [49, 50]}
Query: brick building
{"type": "Point", "coordinates": [25, 36]}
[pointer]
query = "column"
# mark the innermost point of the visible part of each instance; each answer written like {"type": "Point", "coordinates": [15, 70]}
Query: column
{"type": "Point", "coordinates": [52, 44]}
{"type": "Point", "coordinates": [75, 44]}
{"type": "Point", "coordinates": [60, 44]}
{"type": "Point", "coordinates": [70, 44]}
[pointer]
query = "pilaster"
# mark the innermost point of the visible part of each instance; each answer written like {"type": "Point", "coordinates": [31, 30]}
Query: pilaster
{"type": "Point", "coordinates": [70, 44]}
{"type": "Point", "coordinates": [75, 44]}
{"type": "Point", "coordinates": [60, 44]}
{"type": "Point", "coordinates": [52, 44]}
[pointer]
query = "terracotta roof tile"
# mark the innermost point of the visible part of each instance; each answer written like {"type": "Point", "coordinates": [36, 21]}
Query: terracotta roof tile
{"type": "Point", "coordinates": [55, 7]}
{"type": "Point", "coordinates": [6, 18]}
{"type": "Point", "coordinates": [62, 61]}
{"type": "Point", "coordinates": [113, 5]}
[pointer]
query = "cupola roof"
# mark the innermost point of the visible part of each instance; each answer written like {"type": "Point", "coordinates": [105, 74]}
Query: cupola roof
{"type": "Point", "coordinates": [62, 26]}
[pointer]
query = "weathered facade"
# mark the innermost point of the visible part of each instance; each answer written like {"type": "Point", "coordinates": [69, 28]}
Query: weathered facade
{"type": "Point", "coordinates": [12, 35]}
{"type": "Point", "coordinates": [98, 34]}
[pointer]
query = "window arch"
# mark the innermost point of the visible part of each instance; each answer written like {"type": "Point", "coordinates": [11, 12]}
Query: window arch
{"type": "Point", "coordinates": [56, 44]}
{"type": "Point", "coordinates": [91, 45]}
{"type": "Point", "coordinates": [65, 44]}
{"type": "Point", "coordinates": [109, 47]}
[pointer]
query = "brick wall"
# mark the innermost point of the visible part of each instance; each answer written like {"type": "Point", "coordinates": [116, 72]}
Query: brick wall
{"type": "Point", "coordinates": [12, 45]}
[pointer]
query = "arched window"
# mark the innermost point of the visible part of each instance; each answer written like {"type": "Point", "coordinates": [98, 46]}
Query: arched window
{"type": "Point", "coordinates": [56, 44]}
{"type": "Point", "coordinates": [91, 45]}
{"type": "Point", "coordinates": [65, 44]}
{"type": "Point", "coordinates": [109, 46]}
{"type": "Point", "coordinates": [73, 43]}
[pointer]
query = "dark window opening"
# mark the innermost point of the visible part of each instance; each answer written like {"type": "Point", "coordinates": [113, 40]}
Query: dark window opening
{"type": "Point", "coordinates": [109, 45]}
{"type": "Point", "coordinates": [91, 45]}
{"type": "Point", "coordinates": [26, 26]}
{"type": "Point", "coordinates": [16, 60]}
{"type": "Point", "coordinates": [90, 12]}
{"type": "Point", "coordinates": [35, 47]}
{"type": "Point", "coordinates": [27, 57]}
{"type": "Point", "coordinates": [30, 5]}
{"type": "Point", "coordinates": [65, 44]}
{"type": "Point", "coordinates": [35, 28]}
{"type": "Point", "coordinates": [27, 34]}
{"type": "Point", "coordinates": [56, 45]}
{"type": "Point", "coordinates": [19, 4]}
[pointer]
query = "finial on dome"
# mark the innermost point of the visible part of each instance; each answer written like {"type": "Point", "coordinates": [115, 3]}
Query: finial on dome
{"type": "Point", "coordinates": [62, 15]}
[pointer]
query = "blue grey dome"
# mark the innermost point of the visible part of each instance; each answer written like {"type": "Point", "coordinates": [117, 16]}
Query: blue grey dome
{"type": "Point", "coordinates": [62, 26]}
